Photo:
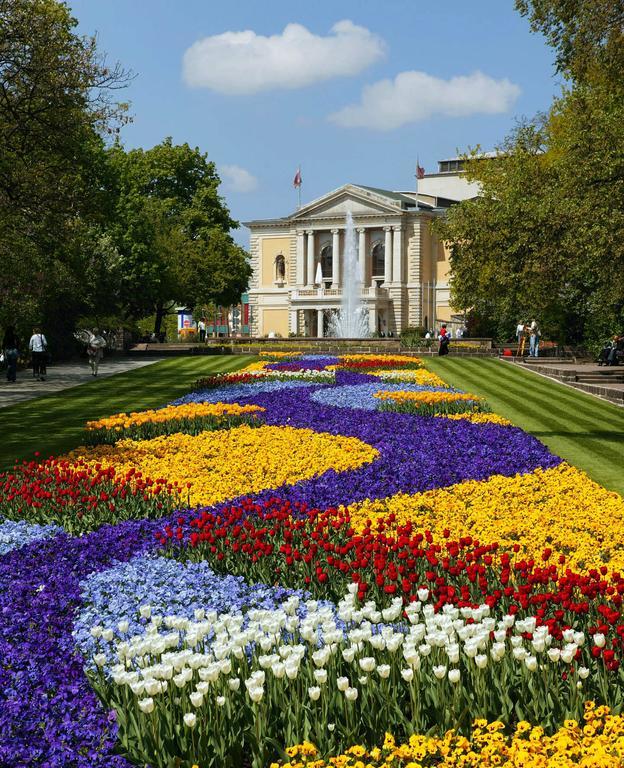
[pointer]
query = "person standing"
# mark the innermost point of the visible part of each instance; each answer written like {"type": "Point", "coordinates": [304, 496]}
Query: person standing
{"type": "Point", "coordinates": [444, 340]}
{"type": "Point", "coordinates": [10, 347]}
{"type": "Point", "coordinates": [95, 351]}
{"type": "Point", "coordinates": [519, 332]}
{"type": "Point", "coordinates": [534, 339]}
{"type": "Point", "coordinates": [38, 346]}
{"type": "Point", "coordinates": [201, 327]}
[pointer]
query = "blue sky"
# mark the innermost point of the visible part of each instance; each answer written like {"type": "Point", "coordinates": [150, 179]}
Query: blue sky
{"type": "Point", "coordinates": [355, 101]}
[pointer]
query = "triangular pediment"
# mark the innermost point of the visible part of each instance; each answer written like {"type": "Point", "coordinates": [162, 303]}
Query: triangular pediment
{"type": "Point", "coordinates": [358, 200]}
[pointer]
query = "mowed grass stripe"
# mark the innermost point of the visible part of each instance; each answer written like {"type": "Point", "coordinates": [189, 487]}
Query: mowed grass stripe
{"type": "Point", "coordinates": [541, 401]}
{"type": "Point", "coordinates": [585, 431]}
{"type": "Point", "coordinates": [53, 424]}
{"type": "Point", "coordinates": [556, 415]}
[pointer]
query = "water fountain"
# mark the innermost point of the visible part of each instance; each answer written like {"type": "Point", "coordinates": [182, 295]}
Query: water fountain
{"type": "Point", "coordinates": [351, 322]}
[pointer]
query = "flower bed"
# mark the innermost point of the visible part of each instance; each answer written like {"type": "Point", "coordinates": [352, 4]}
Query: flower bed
{"type": "Point", "coordinates": [430, 403]}
{"type": "Point", "coordinates": [190, 419]}
{"type": "Point", "coordinates": [433, 575]}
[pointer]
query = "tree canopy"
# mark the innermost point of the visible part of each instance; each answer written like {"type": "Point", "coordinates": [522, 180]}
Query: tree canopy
{"type": "Point", "coordinates": [546, 237]}
{"type": "Point", "coordinates": [172, 230]}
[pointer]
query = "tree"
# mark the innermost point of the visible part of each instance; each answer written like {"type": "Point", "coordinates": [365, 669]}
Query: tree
{"type": "Point", "coordinates": [56, 104]}
{"type": "Point", "coordinates": [546, 237]}
{"type": "Point", "coordinates": [172, 230]}
{"type": "Point", "coordinates": [588, 35]}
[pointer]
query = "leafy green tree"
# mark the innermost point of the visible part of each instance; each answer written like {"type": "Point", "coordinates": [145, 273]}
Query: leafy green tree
{"type": "Point", "coordinates": [57, 102]}
{"type": "Point", "coordinates": [588, 35]}
{"type": "Point", "coordinates": [172, 231]}
{"type": "Point", "coordinates": [546, 237]}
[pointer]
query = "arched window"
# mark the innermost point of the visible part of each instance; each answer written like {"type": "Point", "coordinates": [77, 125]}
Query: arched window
{"type": "Point", "coordinates": [280, 268]}
{"type": "Point", "coordinates": [326, 262]}
{"type": "Point", "coordinates": [379, 259]}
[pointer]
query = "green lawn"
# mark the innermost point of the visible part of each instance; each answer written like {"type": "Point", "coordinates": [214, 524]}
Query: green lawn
{"type": "Point", "coordinates": [54, 424]}
{"type": "Point", "coordinates": [585, 431]}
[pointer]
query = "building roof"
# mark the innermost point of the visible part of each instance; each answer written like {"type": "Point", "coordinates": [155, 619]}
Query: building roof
{"type": "Point", "coordinates": [398, 196]}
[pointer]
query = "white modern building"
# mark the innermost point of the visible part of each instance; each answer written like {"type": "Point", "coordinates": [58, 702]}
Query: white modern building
{"type": "Point", "coordinates": [404, 266]}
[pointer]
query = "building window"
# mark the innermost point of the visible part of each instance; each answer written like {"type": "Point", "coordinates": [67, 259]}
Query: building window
{"type": "Point", "coordinates": [327, 258]}
{"type": "Point", "coordinates": [280, 268]}
{"type": "Point", "coordinates": [379, 259]}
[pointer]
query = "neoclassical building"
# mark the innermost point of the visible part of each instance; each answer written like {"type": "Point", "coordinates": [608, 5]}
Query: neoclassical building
{"type": "Point", "coordinates": [297, 260]}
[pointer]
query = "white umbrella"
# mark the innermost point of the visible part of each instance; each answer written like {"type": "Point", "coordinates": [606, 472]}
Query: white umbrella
{"type": "Point", "coordinates": [318, 280]}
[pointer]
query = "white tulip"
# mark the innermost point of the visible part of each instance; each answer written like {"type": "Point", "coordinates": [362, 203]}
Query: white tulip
{"type": "Point", "coordinates": [146, 705]}
{"type": "Point", "coordinates": [234, 683]}
{"type": "Point", "coordinates": [97, 630]}
{"type": "Point", "coordinates": [331, 727]}
{"type": "Point", "coordinates": [599, 640]}
{"type": "Point", "coordinates": [145, 611]}
{"type": "Point", "coordinates": [123, 627]}
{"type": "Point", "coordinates": [583, 673]}
{"type": "Point", "coordinates": [363, 680]}
{"type": "Point", "coordinates": [554, 654]}
{"type": "Point", "coordinates": [342, 683]}
{"type": "Point", "coordinates": [279, 670]}
{"type": "Point", "coordinates": [190, 720]}
{"type": "Point", "coordinates": [423, 594]}
{"type": "Point", "coordinates": [314, 693]}
{"type": "Point", "coordinates": [454, 675]}
{"type": "Point", "coordinates": [383, 670]}
{"type": "Point", "coordinates": [320, 675]}
{"type": "Point", "coordinates": [197, 698]}
{"type": "Point", "coordinates": [367, 664]}
{"type": "Point", "coordinates": [481, 660]}
{"type": "Point", "coordinates": [99, 659]}
{"type": "Point", "coordinates": [255, 693]}
{"type": "Point", "coordinates": [199, 614]}
{"type": "Point", "coordinates": [108, 635]}
{"type": "Point", "coordinates": [351, 694]}
{"type": "Point", "coordinates": [348, 654]}
{"type": "Point", "coordinates": [531, 663]}
{"type": "Point", "coordinates": [407, 675]}
{"type": "Point", "coordinates": [439, 671]}
{"type": "Point", "coordinates": [424, 649]}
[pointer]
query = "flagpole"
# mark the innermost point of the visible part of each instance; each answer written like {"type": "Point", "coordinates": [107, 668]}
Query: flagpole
{"type": "Point", "coordinates": [417, 168]}
{"type": "Point", "coordinates": [299, 190]}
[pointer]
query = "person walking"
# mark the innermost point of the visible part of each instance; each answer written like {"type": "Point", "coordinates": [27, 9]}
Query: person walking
{"type": "Point", "coordinates": [10, 347]}
{"type": "Point", "coordinates": [38, 346]}
{"type": "Point", "coordinates": [534, 339]}
{"type": "Point", "coordinates": [95, 351]}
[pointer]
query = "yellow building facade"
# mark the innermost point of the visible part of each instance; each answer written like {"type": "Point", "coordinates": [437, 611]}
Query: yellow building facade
{"type": "Point", "coordinates": [297, 261]}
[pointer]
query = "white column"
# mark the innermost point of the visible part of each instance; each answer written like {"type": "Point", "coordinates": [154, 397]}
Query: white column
{"type": "Point", "coordinates": [335, 258]}
{"type": "Point", "coordinates": [319, 315]}
{"type": "Point", "coordinates": [362, 254]}
{"type": "Point", "coordinates": [397, 255]}
{"type": "Point", "coordinates": [292, 321]}
{"type": "Point", "coordinates": [300, 258]}
{"type": "Point", "coordinates": [388, 256]}
{"type": "Point", "coordinates": [310, 275]}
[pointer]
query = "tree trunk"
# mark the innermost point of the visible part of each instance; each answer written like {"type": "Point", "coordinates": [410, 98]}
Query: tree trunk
{"type": "Point", "coordinates": [160, 313]}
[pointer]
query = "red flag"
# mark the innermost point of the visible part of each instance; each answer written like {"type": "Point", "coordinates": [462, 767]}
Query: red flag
{"type": "Point", "coordinates": [420, 172]}
{"type": "Point", "coordinates": [297, 180]}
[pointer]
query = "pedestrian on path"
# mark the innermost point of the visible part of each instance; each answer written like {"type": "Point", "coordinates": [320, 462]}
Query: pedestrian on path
{"type": "Point", "coordinates": [534, 339]}
{"type": "Point", "coordinates": [95, 351]}
{"type": "Point", "coordinates": [38, 346]}
{"type": "Point", "coordinates": [10, 348]}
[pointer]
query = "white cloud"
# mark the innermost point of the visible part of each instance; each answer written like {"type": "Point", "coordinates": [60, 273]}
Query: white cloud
{"type": "Point", "coordinates": [414, 96]}
{"type": "Point", "coordinates": [238, 179]}
{"type": "Point", "coordinates": [244, 62]}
